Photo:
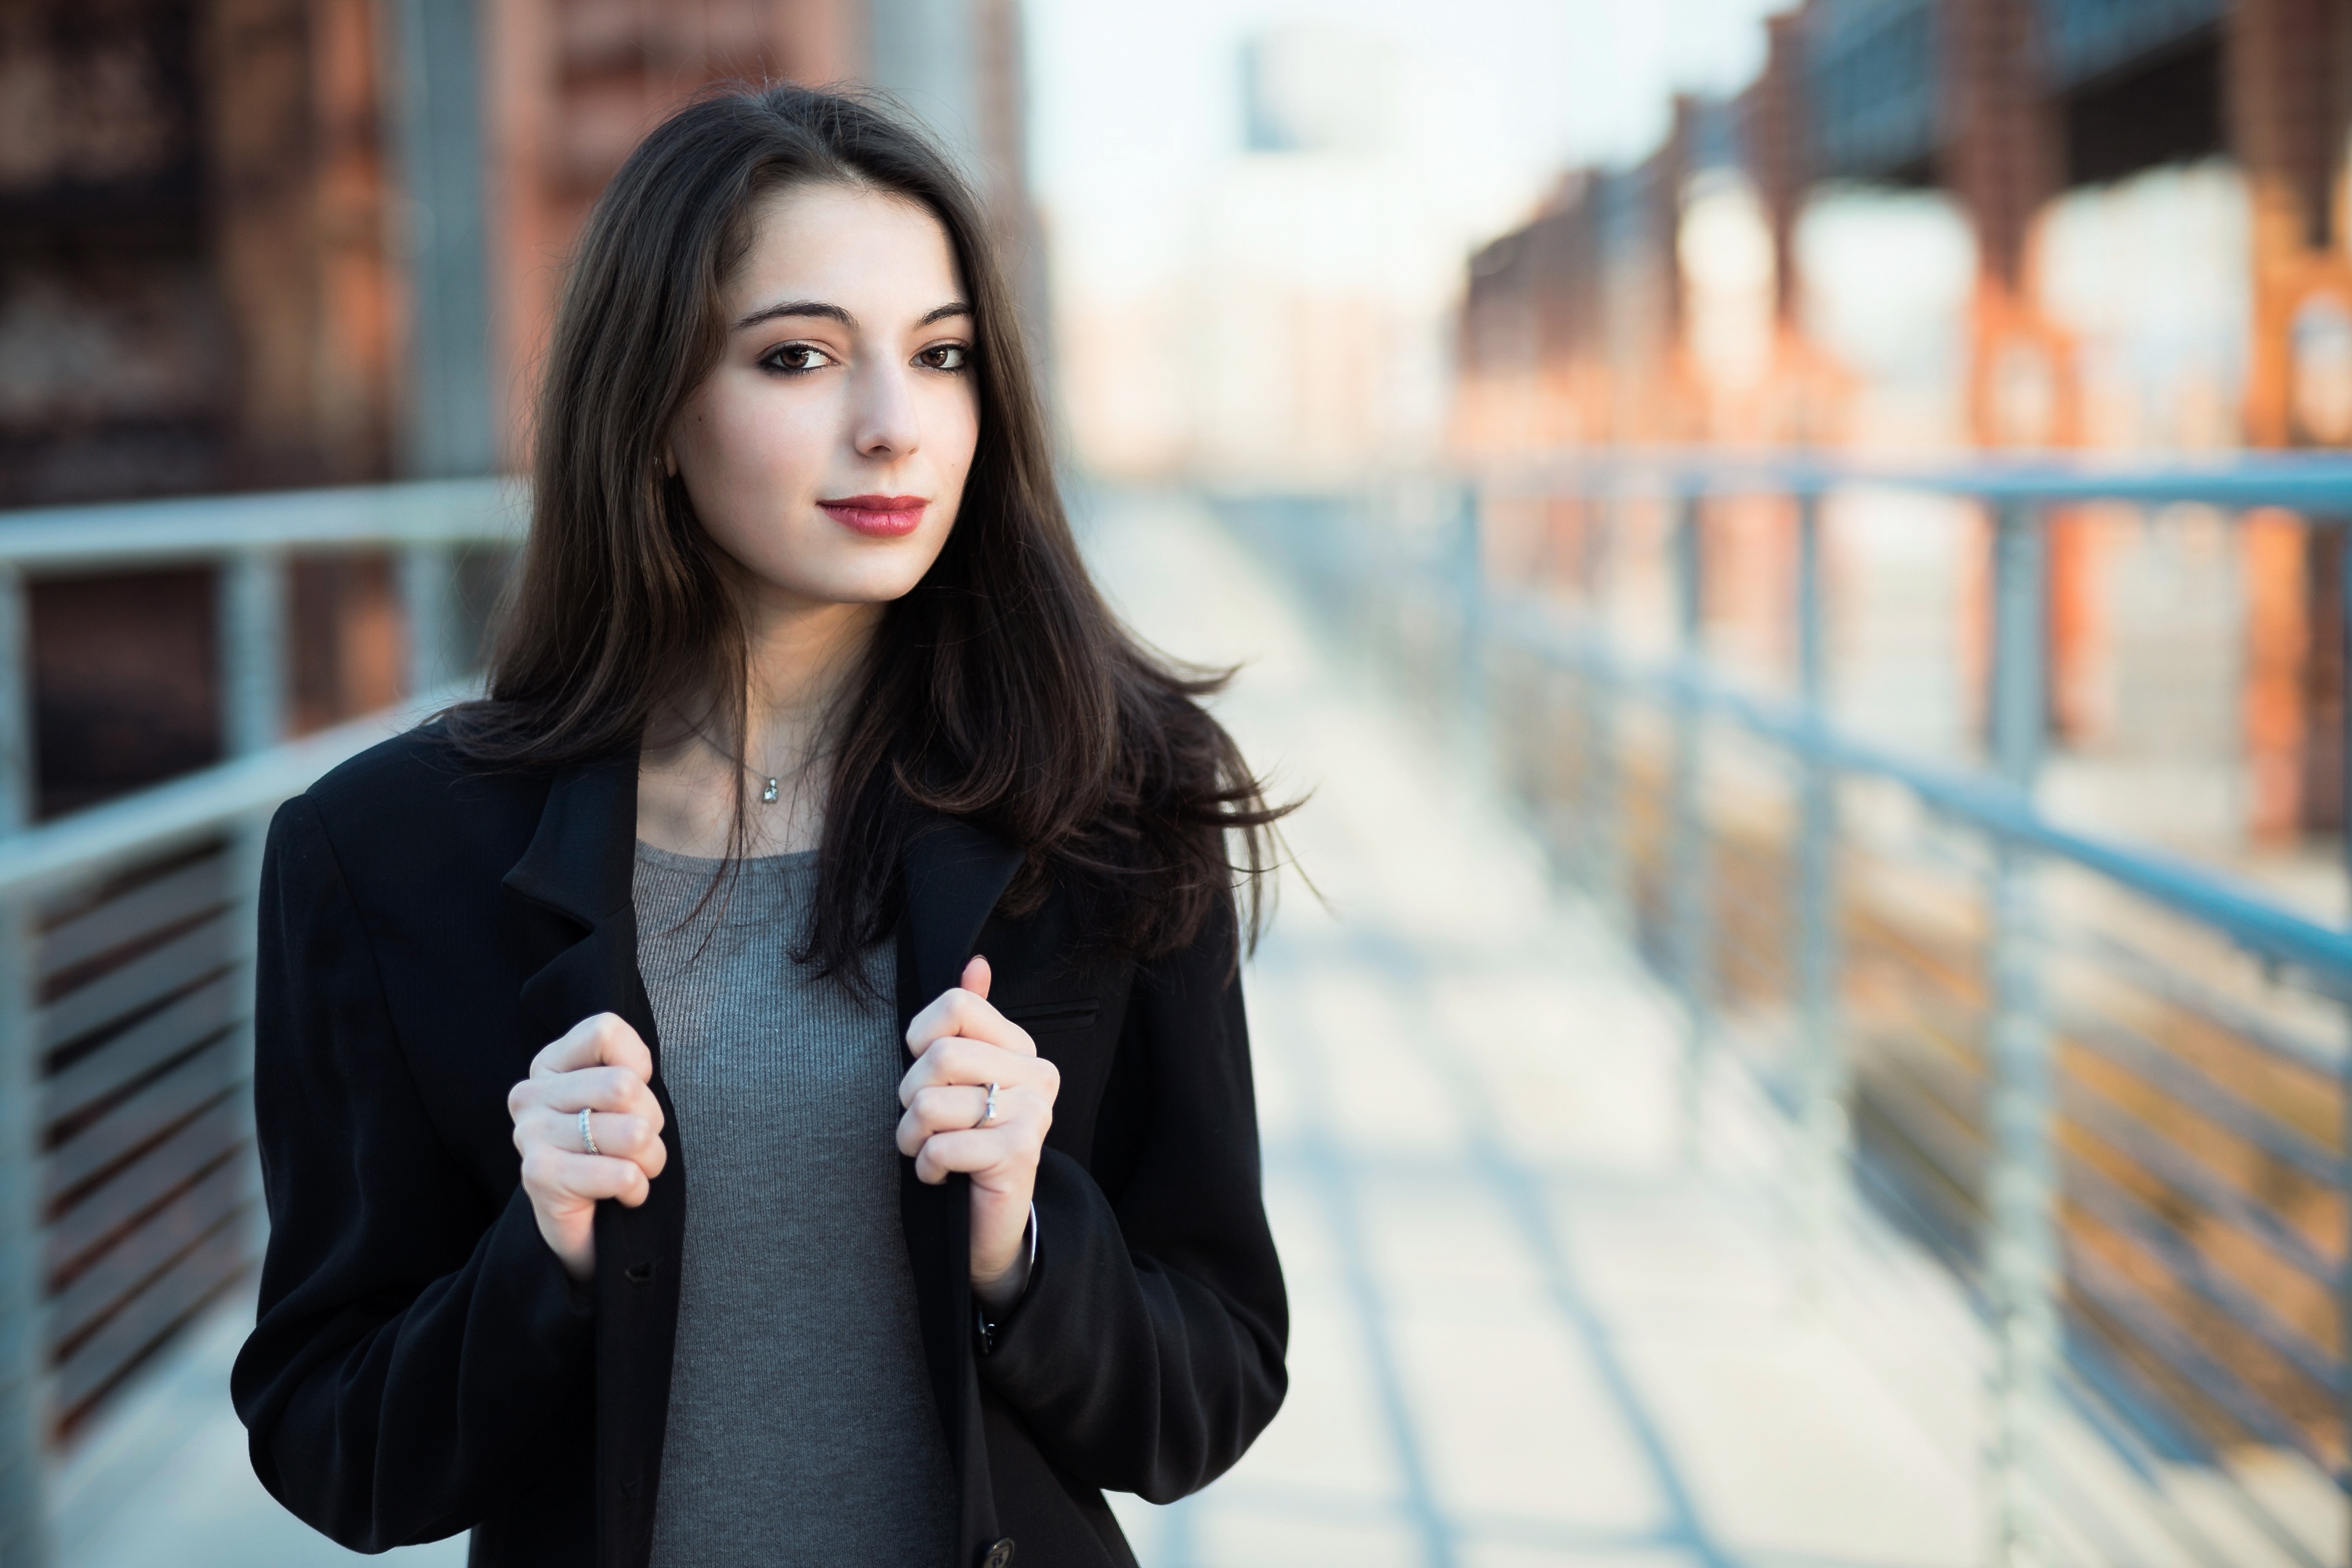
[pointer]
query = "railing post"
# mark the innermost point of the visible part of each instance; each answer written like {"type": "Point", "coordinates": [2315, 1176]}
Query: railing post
{"type": "Point", "coordinates": [24, 1540]}
{"type": "Point", "coordinates": [253, 616]}
{"type": "Point", "coordinates": [253, 651]}
{"type": "Point", "coordinates": [1603, 807]}
{"type": "Point", "coordinates": [1820, 1056]}
{"type": "Point", "coordinates": [1470, 591]}
{"type": "Point", "coordinates": [2344, 1081]}
{"type": "Point", "coordinates": [1689, 925]}
{"type": "Point", "coordinates": [428, 592]}
{"type": "Point", "coordinates": [2021, 1251]}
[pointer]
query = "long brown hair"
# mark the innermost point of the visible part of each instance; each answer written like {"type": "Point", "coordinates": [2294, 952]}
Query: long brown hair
{"type": "Point", "coordinates": [1000, 690]}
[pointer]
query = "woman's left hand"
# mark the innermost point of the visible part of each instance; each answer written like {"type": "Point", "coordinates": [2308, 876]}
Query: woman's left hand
{"type": "Point", "coordinates": [961, 1045]}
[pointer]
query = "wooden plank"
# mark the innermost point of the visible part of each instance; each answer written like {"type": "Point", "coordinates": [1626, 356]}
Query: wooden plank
{"type": "Point", "coordinates": [139, 1049]}
{"type": "Point", "coordinates": [141, 1117]}
{"type": "Point", "coordinates": [151, 906]}
{"type": "Point", "coordinates": [144, 1184]}
{"type": "Point", "coordinates": [148, 1248]}
{"type": "Point", "coordinates": [147, 979]}
{"type": "Point", "coordinates": [166, 1303]}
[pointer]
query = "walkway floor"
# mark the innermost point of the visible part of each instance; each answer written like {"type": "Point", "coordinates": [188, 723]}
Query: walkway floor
{"type": "Point", "coordinates": [1524, 1332]}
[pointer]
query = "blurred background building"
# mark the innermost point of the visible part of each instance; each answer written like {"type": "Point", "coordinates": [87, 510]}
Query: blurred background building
{"type": "Point", "coordinates": [1943, 226]}
{"type": "Point", "coordinates": [256, 244]}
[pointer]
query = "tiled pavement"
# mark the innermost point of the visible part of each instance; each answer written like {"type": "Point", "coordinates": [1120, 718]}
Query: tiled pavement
{"type": "Point", "coordinates": [1523, 1333]}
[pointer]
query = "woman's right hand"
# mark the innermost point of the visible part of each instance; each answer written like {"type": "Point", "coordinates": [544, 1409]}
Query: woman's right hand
{"type": "Point", "coordinates": [602, 1067]}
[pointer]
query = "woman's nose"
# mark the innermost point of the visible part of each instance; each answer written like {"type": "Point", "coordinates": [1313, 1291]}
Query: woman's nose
{"type": "Point", "coordinates": [884, 414]}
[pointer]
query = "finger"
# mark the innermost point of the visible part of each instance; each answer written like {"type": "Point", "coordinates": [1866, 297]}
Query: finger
{"type": "Point", "coordinates": [952, 1108]}
{"type": "Point", "coordinates": [601, 1039]}
{"type": "Point", "coordinates": [960, 1059]}
{"type": "Point", "coordinates": [615, 1090]}
{"type": "Point", "coordinates": [622, 1137]}
{"type": "Point", "coordinates": [958, 1011]}
{"type": "Point", "coordinates": [584, 1178]}
{"type": "Point", "coordinates": [973, 1151]}
{"type": "Point", "coordinates": [976, 977]}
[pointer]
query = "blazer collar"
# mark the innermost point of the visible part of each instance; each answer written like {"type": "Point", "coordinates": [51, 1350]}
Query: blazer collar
{"type": "Point", "coordinates": [582, 864]}
{"type": "Point", "coordinates": [582, 860]}
{"type": "Point", "coordinates": [955, 873]}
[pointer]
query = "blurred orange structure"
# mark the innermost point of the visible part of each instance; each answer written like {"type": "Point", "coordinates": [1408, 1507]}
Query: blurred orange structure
{"type": "Point", "coordinates": [2143, 213]}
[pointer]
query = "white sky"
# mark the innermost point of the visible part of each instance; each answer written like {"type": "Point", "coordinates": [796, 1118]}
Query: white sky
{"type": "Point", "coordinates": [1135, 102]}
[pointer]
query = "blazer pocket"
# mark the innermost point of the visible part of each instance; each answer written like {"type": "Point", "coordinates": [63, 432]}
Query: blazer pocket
{"type": "Point", "coordinates": [1050, 1017]}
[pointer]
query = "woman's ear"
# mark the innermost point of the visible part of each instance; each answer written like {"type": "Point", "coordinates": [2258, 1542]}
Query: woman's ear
{"type": "Point", "coordinates": [669, 460]}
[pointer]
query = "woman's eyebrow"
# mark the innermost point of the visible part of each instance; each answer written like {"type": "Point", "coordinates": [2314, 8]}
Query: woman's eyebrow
{"type": "Point", "coordinates": [799, 308]}
{"type": "Point", "coordinates": [835, 313]}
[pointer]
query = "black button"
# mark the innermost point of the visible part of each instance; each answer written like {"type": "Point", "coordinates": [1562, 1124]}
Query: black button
{"type": "Point", "coordinates": [639, 1273]}
{"type": "Point", "coordinates": [999, 1554]}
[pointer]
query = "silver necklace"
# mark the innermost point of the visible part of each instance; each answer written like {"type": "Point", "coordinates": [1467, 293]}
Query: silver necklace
{"type": "Point", "coordinates": [768, 795]}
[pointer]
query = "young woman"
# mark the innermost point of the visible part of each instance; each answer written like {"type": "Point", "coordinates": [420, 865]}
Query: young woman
{"type": "Point", "coordinates": [769, 1085]}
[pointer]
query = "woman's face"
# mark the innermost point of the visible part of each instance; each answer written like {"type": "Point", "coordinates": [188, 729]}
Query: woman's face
{"type": "Point", "coordinates": [826, 450]}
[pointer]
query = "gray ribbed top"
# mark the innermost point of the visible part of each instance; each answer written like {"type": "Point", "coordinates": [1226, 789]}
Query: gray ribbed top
{"type": "Point", "coordinates": [801, 1427]}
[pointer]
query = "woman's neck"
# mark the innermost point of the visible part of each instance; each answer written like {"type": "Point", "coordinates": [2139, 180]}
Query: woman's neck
{"type": "Point", "coordinates": [802, 658]}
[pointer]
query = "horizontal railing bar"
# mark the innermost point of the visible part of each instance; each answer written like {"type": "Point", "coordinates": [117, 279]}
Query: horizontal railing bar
{"type": "Point", "coordinates": [1929, 1209]}
{"type": "Point", "coordinates": [1912, 1074]}
{"type": "Point", "coordinates": [2239, 911]}
{"type": "Point", "coordinates": [2168, 1163]}
{"type": "Point", "coordinates": [2214, 1007]}
{"type": "Point", "coordinates": [125, 919]}
{"type": "Point", "coordinates": [105, 837]}
{"type": "Point", "coordinates": [168, 1299]}
{"type": "Point", "coordinates": [2202, 1096]}
{"type": "Point", "coordinates": [127, 1196]}
{"type": "Point", "coordinates": [126, 1267]}
{"type": "Point", "coordinates": [2115, 1295]}
{"type": "Point", "coordinates": [173, 966]}
{"type": "Point", "coordinates": [176, 1026]}
{"type": "Point", "coordinates": [2316, 486]}
{"type": "Point", "coordinates": [142, 1117]}
{"type": "Point", "coordinates": [2122, 1210]}
{"type": "Point", "coordinates": [198, 528]}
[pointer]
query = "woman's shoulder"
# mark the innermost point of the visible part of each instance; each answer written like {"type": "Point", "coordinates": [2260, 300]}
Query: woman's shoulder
{"type": "Point", "coordinates": [417, 796]}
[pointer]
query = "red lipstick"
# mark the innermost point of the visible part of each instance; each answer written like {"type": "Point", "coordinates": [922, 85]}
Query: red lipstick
{"type": "Point", "coordinates": [877, 517]}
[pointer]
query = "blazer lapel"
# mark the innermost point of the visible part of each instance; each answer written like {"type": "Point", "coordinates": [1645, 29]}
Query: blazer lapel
{"type": "Point", "coordinates": [954, 873]}
{"type": "Point", "coordinates": [582, 864]}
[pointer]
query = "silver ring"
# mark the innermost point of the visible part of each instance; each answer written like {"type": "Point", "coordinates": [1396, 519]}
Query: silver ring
{"type": "Point", "coordinates": [587, 1138]}
{"type": "Point", "coordinates": [987, 1111]}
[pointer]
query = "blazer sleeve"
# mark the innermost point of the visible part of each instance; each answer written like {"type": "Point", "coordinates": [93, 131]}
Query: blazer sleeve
{"type": "Point", "coordinates": [1147, 1354]}
{"type": "Point", "coordinates": [420, 1351]}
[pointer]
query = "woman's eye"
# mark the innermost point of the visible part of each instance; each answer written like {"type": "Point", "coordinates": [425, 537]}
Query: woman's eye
{"type": "Point", "coordinates": [795, 359]}
{"type": "Point", "coordinates": [947, 356]}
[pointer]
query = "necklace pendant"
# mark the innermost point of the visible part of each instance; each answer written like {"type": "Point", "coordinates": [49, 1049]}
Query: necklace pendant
{"type": "Point", "coordinates": [768, 795]}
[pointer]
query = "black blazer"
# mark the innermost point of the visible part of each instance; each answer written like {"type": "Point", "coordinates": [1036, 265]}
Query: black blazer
{"type": "Point", "coordinates": [422, 1364]}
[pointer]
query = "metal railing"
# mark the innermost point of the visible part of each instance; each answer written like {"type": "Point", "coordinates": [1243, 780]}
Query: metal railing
{"type": "Point", "coordinates": [2105, 1082]}
{"type": "Point", "coordinates": [127, 1190]}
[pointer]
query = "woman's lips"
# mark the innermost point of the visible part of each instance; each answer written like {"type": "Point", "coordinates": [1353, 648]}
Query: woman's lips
{"type": "Point", "coordinates": [877, 517]}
